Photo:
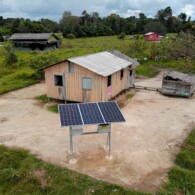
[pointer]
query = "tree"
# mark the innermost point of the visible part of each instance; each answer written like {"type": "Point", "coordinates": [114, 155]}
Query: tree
{"type": "Point", "coordinates": [50, 25]}
{"type": "Point", "coordinates": [155, 27]}
{"type": "Point", "coordinates": [182, 46]}
{"type": "Point", "coordinates": [182, 17]}
{"type": "Point", "coordinates": [68, 22]}
{"type": "Point", "coordinates": [141, 22]}
{"type": "Point", "coordinates": [113, 20]}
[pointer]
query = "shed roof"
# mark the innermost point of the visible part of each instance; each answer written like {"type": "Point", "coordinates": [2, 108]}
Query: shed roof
{"type": "Point", "coordinates": [104, 63]}
{"type": "Point", "coordinates": [31, 36]}
{"type": "Point", "coordinates": [181, 76]}
{"type": "Point", "coordinates": [150, 33]}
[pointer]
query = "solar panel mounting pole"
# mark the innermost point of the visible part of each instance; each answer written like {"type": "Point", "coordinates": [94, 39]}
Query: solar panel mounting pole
{"type": "Point", "coordinates": [71, 141]}
{"type": "Point", "coordinates": [109, 135]}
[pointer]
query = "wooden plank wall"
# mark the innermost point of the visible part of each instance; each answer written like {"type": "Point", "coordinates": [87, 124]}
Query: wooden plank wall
{"type": "Point", "coordinates": [52, 90]}
{"type": "Point", "coordinates": [73, 83]}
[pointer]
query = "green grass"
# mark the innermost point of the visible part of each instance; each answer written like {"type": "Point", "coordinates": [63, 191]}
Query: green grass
{"type": "Point", "coordinates": [34, 60]}
{"type": "Point", "coordinates": [129, 96]}
{"type": "Point", "coordinates": [42, 98]}
{"type": "Point", "coordinates": [182, 177]}
{"type": "Point", "coordinates": [53, 108]}
{"type": "Point", "coordinates": [23, 173]}
{"type": "Point", "coordinates": [147, 71]}
{"type": "Point", "coordinates": [12, 80]}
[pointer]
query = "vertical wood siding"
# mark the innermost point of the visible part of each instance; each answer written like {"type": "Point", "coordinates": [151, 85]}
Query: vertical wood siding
{"type": "Point", "coordinates": [73, 83]}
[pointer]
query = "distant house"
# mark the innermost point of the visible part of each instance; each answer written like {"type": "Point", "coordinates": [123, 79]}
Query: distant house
{"type": "Point", "coordinates": [152, 36]}
{"type": "Point", "coordinates": [178, 84]}
{"type": "Point", "coordinates": [34, 41]}
{"type": "Point", "coordinates": [95, 77]}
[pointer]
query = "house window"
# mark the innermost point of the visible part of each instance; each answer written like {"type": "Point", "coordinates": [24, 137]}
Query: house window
{"type": "Point", "coordinates": [122, 72]}
{"type": "Point", "coordinates": [86, 83]}
{"type": "Point", "coordinates": [58, 80]}
{"type": "Point", "coordinates": [70, 67]}
{"type": "Point", "coordinates": [131, 72]}
{"type": "Point", "coordinates": [109, 81]}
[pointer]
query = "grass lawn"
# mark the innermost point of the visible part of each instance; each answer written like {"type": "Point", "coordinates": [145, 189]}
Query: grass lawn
{"type": "Point", "coordinates": [30, 62]}
{"type": "Point", "coordinates": [23, 173]}
{"type": "Point", "coordinates": [182, 176]}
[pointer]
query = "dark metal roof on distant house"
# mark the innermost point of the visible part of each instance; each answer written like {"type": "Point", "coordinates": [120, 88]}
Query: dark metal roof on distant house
{"type": "Point", "coordinates": [31, 36]}
{"type": "Point", "coordinates": [181, 77]}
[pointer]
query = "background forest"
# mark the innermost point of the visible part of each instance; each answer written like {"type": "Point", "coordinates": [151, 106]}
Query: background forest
{"type": "Point", "coordinates": [91, 24]}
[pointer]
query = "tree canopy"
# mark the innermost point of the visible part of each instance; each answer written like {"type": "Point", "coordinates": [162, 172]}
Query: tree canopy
{"type": "Point", "coordinates": [91, 24]}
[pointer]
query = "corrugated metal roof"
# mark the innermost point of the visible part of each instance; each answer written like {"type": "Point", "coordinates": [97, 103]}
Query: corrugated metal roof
{"type": "Point", "coordinates": [124, 57]}
{"type": "Point", "coordinates": [149, 33]}
{"type": "Point", "coordinates": [181, 76]}
{"type": "Point", "coordinates": [30, 36]}
{"type": "Point", "coordinates": [103, 63]}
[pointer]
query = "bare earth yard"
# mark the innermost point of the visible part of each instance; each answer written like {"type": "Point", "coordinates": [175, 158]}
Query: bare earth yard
{"type": "Point", "coordinates": [143, 148]}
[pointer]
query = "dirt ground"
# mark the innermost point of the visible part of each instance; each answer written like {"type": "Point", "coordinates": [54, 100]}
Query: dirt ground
{"type": "Point", "coordinates": [143, 148]}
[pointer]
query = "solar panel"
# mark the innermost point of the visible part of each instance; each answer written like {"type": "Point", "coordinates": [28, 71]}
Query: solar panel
{"type": "Point", "coordinates": [70, 115]}
{"type": "Point", "coordinates": [111, 112]}
{"type": "Point", "coordinates": [91, 113]}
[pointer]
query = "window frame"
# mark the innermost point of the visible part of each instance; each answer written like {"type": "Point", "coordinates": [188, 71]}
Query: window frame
{"type": "Point", "coordinates": [91, 84]}
{"type": "Point", "coordinates": [56, 82]}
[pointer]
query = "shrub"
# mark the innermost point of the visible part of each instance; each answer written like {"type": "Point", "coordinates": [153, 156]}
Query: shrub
{"type": "Point", "coordinates": [10, 56]}
{"type": "Point", "coordinates": [121, 36]}
{"type": "Point", "coordinates": [70, 36]}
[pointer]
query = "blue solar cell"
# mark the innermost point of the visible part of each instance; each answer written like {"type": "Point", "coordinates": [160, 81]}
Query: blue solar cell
{"type": "Point", "coordinates": [70, 115]}
{"type": "Point", "coordinates": [91, 113]}
{"type": "Point", "coordinates": [111, 112]}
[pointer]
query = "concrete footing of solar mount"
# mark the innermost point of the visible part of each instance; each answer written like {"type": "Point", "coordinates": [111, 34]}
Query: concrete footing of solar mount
{"type": "Point", "coordinates": [73, 161]}
{"type": "Point", "coordinates": [106, 148]}
{"type": "Point", "coordinates": [109, 157]}
{"type": "Point", "coordinates": [69, 152]}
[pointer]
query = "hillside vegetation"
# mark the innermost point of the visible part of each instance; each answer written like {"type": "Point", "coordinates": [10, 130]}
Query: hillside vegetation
{"type": "Point", "coordinates": [25, 69]}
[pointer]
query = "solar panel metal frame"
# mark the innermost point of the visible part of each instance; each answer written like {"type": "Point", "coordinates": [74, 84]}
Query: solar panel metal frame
{"type": "Point", "coordinates": [100, 111]}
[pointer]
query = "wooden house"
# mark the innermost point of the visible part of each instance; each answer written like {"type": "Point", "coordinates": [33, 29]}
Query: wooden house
{"type": "Point", "coordinates": [34, 41]}
{"type": "Point", "coordinates": [178, 84]}
{"type": "Point", "coordinates": [152, 36]}
{"type": "Point", "coordinates": [95, 77]}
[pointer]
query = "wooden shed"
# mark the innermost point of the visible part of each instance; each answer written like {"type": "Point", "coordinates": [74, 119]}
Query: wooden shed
{"type": "Point", "coordinates": [34, 41]}
{"type": "Point", "coordinates": [152, 36]}
{"type": "Point", "coordinates": [95, 77]}
{"type": "Point", "coordinates": [178, 84]}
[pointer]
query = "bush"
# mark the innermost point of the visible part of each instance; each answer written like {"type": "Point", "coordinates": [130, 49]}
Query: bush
{"type": "Point", "coordinates": [121, 36]}
{"type": "Point", "coordinates": [10, 56]}
{"type": "Point", "coordinates": [70, 36]}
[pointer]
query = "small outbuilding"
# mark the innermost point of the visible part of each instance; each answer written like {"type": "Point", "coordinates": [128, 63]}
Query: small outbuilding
{"type": "Point", "coordinates": [90, 78]}
{"type": "Point", "coordinates": [34, 41]}
{"type": "Point", "coordinates": [152, 36]}
{"type": "Point", "coordinates": [178, 84]}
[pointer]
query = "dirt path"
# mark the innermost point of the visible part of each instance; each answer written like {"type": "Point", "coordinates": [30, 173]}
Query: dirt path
{"type": "Point", "coordinates": [143, 148]}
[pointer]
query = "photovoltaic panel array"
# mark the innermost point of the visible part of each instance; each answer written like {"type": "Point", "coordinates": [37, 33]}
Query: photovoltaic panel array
{"type": "Point", "coordinates": [111, 112]}
{"type": "Point", "coordinates": [69, 115]}
{"type": "Point", "coordinates": [90, 113]}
